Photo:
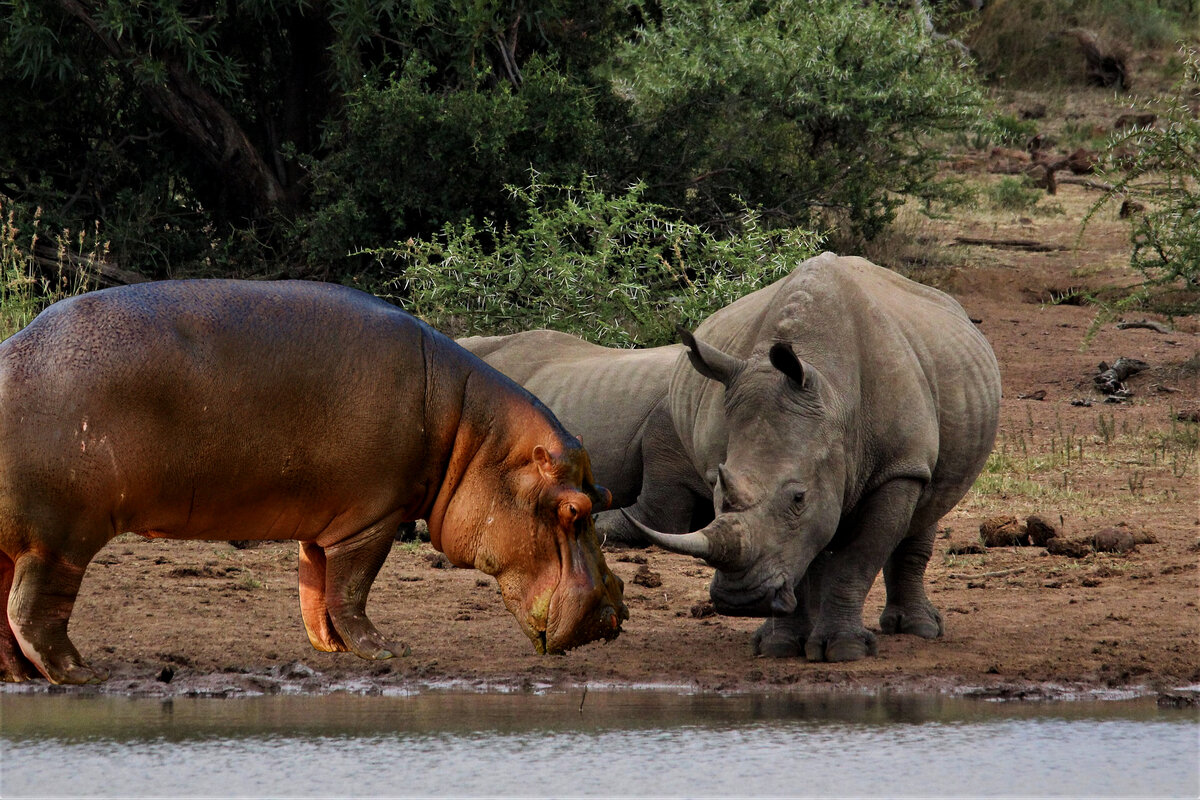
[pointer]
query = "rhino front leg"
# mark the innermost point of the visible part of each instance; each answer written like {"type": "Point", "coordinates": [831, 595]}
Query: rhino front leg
{"type": "Point", "coordinates": [350, 567]}
{"type": "Point", "coordinates": [908, 609]}
{"type": "Point", "coordinates": [877, 527]}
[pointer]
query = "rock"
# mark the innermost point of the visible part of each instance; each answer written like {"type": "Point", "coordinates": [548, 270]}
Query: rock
{"type": "Point", "coordinates": [972, 549]}
{"type": "Point", "coordinates": [1113, 540]}
{"type": "Point", "coordinates": [702, 610]}
{"type": "Point", "coordinates": [1083, 161]}
{"type": "Point", "coordinates": [1033, 111]}
{"type": "Point", "coordinates": [1071, 548]}
{"type": "Point", "coordinates": [1134, 121]}
{"type": "Point", "coordinates": [166, 675]}
{"type": "Point", "coordinates": [1001, 532]}
{"type": "Point", "coordinates": [645, 577]}
{"type": "Point", "coordinates": [1039, 530]}
{"type": "Point", "coordinates": [438, 561]}
{"type": "Point", "coordinates": [1130, 207]}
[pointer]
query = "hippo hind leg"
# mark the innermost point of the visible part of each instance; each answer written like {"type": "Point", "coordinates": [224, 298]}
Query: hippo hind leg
{"type": "Point", "coordinates": [40, 599]}
{"type": "Point", "coordinates": [334, 609]}
{"type": "Point", "coordinates": [908, 609]}
{"type": "Point", "coordinates": [14, 666]}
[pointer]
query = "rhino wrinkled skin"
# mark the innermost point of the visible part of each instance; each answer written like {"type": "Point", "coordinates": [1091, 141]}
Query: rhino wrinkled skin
{"type": "Point", "coordinates": [289, 410]}
{"type": "Point", "coordinates": [829, 419]}
{"type": "Point", "coordinates": [843, 411]}
{"type": "Point", "coordinates": [616, 400]}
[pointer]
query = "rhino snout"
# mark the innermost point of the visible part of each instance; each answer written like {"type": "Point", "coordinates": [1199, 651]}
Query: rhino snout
{"type": "Point", "coordinates": [772, 598]}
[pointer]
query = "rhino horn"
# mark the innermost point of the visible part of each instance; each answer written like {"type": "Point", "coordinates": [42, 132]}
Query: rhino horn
{"type": "Point", "coordinates": [710, 361]}
{"type": "Point", "coordinates": [717, 544]}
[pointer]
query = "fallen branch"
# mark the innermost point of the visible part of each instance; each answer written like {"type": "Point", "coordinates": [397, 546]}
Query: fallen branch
{"type": "Point", "coordinates": [82, 268]}
{"type": "Point", "coordinates": [1089, 183]}
{"type": "Point", "coordinates": [1148, 324]}
{"type": "Point", "coordinates": [997, 574]}
{"type": "Point", "coordinates": [1011, 244]}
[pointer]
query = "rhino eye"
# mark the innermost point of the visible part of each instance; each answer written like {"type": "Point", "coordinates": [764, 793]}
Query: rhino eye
{"type": "Point", "coordinates": [798, 497]}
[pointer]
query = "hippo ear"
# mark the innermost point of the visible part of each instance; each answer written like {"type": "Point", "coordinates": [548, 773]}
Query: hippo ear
{"type": "Point", "coordinates": [784, 359]}
{"type": "Point", "coordinates": [545, 463]}
{"type": "Point", "coordinates": [708, 360]}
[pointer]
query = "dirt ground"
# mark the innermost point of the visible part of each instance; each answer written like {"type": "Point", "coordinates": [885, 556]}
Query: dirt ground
{"type": "Point", "coordinates": [1019, 622]}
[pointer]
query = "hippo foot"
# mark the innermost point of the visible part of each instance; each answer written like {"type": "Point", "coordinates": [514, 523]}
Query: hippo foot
{"type": "Point", "coordinates": [75, 674]}
{"type": "Point", "coordinates": [924, 621]}
{"type": "Point", "coordinates": [781, 637]}
{"type": "Point", "coordinates": [362, 638]}
{"type": "Point", "coordinates": [850, 645]}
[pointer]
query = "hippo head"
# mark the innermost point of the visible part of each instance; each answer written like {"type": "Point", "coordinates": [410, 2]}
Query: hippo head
{"type": "Point", "coordinates": [778, 494]}
{"type": "Point", "coordinates": [534, 533]}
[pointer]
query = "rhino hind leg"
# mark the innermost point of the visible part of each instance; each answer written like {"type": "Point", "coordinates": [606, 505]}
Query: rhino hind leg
{"type": "Point", "coordinates": [350, 568]}
{"type": "Point", "coordinates": [845, 576]}
{"type": "Point", "coordinates": [908, 609]}
{"type": "Point", "coordinates": [14, 666]}
{"type": "Point", "coordinates": [41, 596]}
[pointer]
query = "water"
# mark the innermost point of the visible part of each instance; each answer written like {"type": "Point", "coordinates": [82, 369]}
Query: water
{"type": "Point", "coordinates": [623, 743]}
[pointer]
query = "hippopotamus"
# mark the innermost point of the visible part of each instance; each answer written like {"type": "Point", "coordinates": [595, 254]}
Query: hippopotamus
{"type": "Point", "coordinates": [615, 399]}
{"type": "Point", "coordinates": [840, 412]}
{"type": "Point", "coordinates": [217, 409]}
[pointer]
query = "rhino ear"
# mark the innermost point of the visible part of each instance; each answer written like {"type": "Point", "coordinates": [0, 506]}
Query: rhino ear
{"type": "Point", "coordinates": [784, 359]}
{"type": "Point", "coordinates": [708, 360]}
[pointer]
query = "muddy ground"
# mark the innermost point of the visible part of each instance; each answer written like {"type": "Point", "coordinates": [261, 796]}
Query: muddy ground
{"type": "Point", "coordinates": [1019, 622]}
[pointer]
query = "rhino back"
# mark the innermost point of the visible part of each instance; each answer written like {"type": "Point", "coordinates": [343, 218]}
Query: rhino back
{"type": "Point", "coordinates": [165, 405]}
{"type": "Point", "coordinates": [604, 395]}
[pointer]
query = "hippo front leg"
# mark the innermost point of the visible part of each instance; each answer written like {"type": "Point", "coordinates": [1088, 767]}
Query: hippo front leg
{"type": "Point", "coordinates": [40, 599]}
{"type": "Point", "coordinates": [334, 583]}
{"type": "Point", "coordinates": [878, 525]}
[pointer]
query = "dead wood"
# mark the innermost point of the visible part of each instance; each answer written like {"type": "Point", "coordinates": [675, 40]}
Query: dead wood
{"type": "Point", "coordinates": [1012, 244]}
{"type": "Point", "coordinates": [1000, 573]}
{"type": "Point", "coordinates": [1148, 324]}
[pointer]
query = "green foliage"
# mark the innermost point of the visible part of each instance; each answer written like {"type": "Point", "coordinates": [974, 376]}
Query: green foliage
{"type": "Point", "coordinates": [1012, 132]}
{"type": "Point", "coordinates": [34, 273]}
{"type": "Point", "coordinates": [407, 160]}
{"type": "Point", "coordinates": [617, 270]}
{"type": "Point", "coordinates": [1013, 194]}
{"type": "Point", "coordinates": [1160, 167]}
{"type": "Point", "coordinates": [797, 106]}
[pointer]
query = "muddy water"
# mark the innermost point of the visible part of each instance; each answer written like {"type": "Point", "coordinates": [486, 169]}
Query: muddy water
{"type": "Point", "coordinates": [631, 743]}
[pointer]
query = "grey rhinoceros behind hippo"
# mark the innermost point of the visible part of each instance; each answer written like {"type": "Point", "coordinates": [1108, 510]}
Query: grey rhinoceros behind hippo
{"type": "Point", "coordinates": [842, 411]}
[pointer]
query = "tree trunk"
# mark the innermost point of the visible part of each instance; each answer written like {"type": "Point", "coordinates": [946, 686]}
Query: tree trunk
{"type": "Point", "coordinates": [251, 189]}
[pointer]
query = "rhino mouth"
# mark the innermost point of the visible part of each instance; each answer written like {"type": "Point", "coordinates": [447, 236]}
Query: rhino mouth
{"type": "Point", "coordinates": [771, 598]}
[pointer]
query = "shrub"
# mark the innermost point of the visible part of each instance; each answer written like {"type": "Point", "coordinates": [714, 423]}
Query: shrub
{"type": "Point", "coordinates": [617, 270]}
{"type": "Point", "coordinates": [1013, 194]}
{"type": "Point", "coordinates": [1160, 167]}
{"type": "Point", "coordinates": [800, 107]}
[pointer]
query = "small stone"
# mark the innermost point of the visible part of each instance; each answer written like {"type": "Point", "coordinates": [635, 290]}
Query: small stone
{"type": "Point", "coordinates": [1001, 532]}
{"type": "Point", "coordinates": [166, 675]}
{"type": "Point", "coordinates": [438, 560]}
{"type": "Point", "coordinates": [702, 610]}
{"type": "Point", "coordinates": [1039, 530]}
{"type": "Point", "coordinates": [1071, 548]}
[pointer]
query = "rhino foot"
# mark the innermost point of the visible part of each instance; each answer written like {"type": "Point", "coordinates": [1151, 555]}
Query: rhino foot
{"type": "Point", "coordinates": [781, 637]}
{"type": "Point", "coordinates": [925, 621]}
{"type": "Point", "coordinates": [849, 645]}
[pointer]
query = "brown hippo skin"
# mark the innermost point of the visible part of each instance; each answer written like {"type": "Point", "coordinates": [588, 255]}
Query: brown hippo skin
{"type": "Point", "coordinates": [289, 410]}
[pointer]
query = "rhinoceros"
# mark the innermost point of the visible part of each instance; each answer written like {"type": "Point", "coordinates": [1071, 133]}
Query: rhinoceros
{"type": "Point", "coordinates": [616, 401]}
{"type": "Point", "coordinates": [290, 410]}
{"type": "Point", "coordinates": [842, 411]}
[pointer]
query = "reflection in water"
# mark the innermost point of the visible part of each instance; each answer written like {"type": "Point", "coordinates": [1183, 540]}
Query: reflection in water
{"type": "Point", "coordinates": [623, 743]}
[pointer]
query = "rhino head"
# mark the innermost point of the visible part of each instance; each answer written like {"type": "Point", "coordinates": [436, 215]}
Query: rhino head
{"type": "Point", "coordinates": [778, 495]}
